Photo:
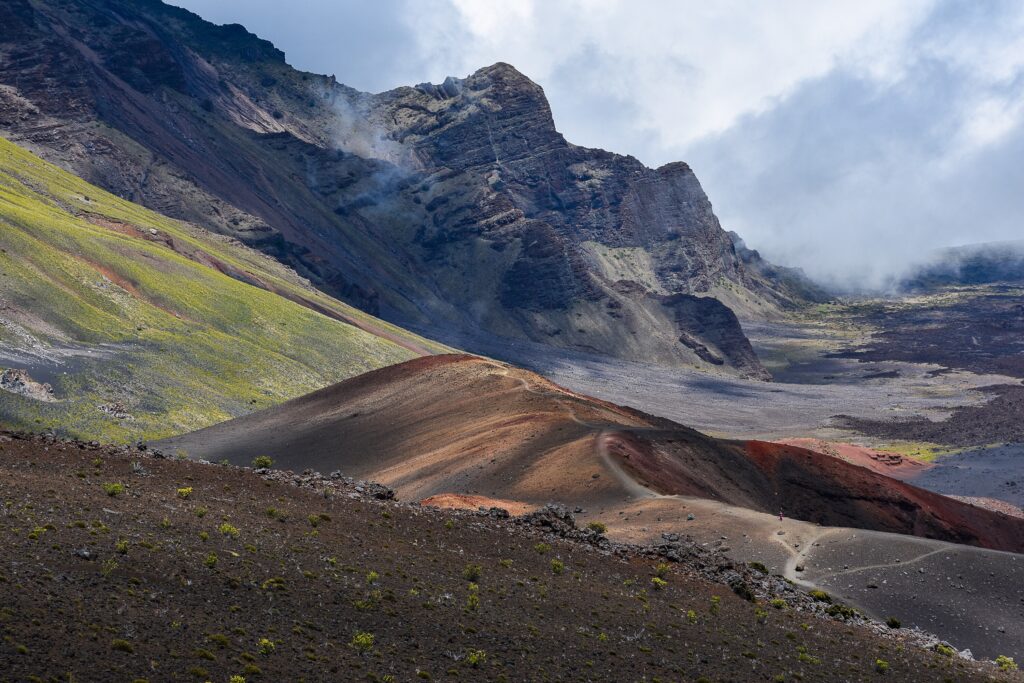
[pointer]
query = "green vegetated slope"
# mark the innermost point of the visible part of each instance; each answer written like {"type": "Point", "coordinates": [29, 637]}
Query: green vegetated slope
{"type": "Point", "coordinates": [147, 326]}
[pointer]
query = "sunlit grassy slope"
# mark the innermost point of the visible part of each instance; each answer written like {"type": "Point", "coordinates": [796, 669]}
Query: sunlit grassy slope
{"type": "Point", "coordinates": [119, 306]}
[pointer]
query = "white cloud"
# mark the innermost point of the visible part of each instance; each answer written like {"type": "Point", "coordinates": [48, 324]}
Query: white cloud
{"type": "Point", "coordinates": [686, 69]}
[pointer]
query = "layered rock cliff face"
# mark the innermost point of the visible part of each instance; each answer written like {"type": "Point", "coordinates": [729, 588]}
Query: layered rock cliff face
{"type": "Point", "coordinates": [455, 208]}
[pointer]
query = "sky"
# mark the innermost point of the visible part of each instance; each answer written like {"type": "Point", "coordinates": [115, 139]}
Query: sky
{"type": "Point", "coordinates": [849, 138]}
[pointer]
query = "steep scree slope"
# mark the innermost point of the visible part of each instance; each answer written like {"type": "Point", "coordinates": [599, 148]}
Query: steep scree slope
{"type": "Point", "coordinates": [145, 326]}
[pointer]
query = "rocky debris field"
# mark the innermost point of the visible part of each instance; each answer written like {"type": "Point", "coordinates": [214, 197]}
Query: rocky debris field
{"type": "Point", "coordinates": [998, 421]}
{"type": "Point", "coordinates": [974, 328]}
{"type": "Point", "coordinates": [123, 564]}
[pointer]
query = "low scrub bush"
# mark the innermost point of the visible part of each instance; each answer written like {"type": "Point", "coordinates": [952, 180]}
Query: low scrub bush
{"type": "Point", "coordinates": [1006, 663]}
{"type": "Point", "coordinates": [113, 489]}
{"type": "Point", "coordinates": [362, 641]}
{"type": "Point", "coordinates": [121, 645]}
{"type": "Point", "coordinates": [228, 530]}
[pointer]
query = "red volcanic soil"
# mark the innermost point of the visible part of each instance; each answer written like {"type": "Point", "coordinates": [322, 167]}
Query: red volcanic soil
{"type": "Point", "coordinates": [884, 462]}
{"type": "Point", "coordinates": [461, 501]}
{"type": "Point", "coordinates": [461, 424]}
{"type": "Point", "coordinates": [806, 485]}
{"type": "Point", "coordinates": [804, 479]}
{"type": "Point", "coordinates": [436, 424]}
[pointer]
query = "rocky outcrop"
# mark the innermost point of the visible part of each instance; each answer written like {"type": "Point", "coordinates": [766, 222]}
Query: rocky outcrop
{"type": "Point", "coordinates": [18, 381]}
{"type": "Point", "coordinates": [718, 328]}
{"type": "Point", "coordinates": [456, 208]}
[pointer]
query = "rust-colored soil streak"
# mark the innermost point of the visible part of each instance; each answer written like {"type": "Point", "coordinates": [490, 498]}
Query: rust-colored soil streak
{"type": "Point", "coordinates": [460, 424]}
{"type": "Point", "coordinates": [460, 501]}
{"type": "Point", "coordinates": [198, 255]}
{"type": "Point", "coordinates": [884, 462]}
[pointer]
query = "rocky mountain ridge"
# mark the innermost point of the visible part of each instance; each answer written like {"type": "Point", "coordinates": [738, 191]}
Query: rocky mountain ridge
{"type": "Point", "coordinates": [454, 208]}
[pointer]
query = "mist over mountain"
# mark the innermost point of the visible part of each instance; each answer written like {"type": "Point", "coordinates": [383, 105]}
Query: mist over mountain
{"type": "Point", "coordinates": [975, 264]}
{"type": "Point", "coordinates": [850, 143]}
{"type": "Point", "coordinates": [454, 208]}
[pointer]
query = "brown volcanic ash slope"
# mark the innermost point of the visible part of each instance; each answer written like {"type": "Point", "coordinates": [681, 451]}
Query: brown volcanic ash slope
{"type": "Point", "coordinates": [451, 207]}
{"type": "Point", "coordinates": [462, 424]}
{"type": "Point", "coordinates": [148, 588]}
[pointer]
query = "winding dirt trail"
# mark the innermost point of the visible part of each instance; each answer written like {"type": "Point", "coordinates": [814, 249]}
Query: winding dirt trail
{"type": "Point", "coordinates": [887, 565]}
{"type": "Point", "coordinates": [603, 435]}
{"type": "Point", "coordinates": [798, 557]}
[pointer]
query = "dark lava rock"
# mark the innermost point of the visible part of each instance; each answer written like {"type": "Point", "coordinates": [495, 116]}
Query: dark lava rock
{"type": "Point", "coordinates": [553, 517]}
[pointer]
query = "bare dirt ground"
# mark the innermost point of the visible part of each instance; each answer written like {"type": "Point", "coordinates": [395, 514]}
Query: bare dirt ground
{"type": "Point", "coordinates": [193, 572]}
{"type": "Point", "coordinates": [972, 597]}
{"type": "Point", "coordinates": [988, 477]}
{"type": "Point", "coordinates": [888, 463]}
{"type": "Point", "coordinates": [920, 375]}
{"type": "Point", "coordinates": [462, 501]}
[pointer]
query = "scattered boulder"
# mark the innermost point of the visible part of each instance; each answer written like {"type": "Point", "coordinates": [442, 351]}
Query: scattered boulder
{"type": "Point", "coordinates": [553, 516]}
{"type": "Point", "coordinates": [117, 410]}
{"type": "Point", "coordinates": [18, 381]}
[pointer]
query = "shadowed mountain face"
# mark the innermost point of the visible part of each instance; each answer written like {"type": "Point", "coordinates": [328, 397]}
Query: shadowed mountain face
{"type": "Point", "coordinates": [454, 207]}
{"type": "Point", "coordinates": [466, 425]}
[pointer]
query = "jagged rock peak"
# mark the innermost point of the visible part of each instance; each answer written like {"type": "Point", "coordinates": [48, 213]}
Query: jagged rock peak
{"type": "Point", "coordinates": [505, 73]}
{"type": "Point", "coordinates": [675, 168]}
